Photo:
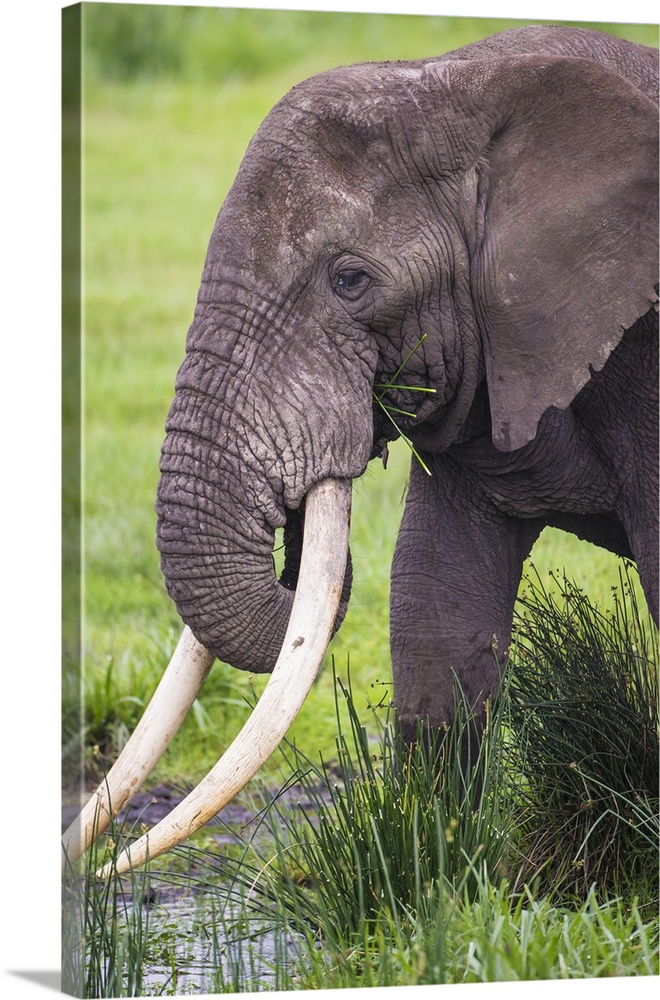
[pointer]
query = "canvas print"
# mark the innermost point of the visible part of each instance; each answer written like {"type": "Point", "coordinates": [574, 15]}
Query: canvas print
{"type": "Point", "coordinates": [360, 507]}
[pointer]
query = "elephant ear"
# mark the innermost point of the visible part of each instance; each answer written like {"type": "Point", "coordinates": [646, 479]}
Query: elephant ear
{"type": "Point", "coordinates": [567, 198]}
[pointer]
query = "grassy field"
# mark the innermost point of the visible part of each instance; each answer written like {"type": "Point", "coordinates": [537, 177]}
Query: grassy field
{"type": "Point", "coordinates": [165, 125]}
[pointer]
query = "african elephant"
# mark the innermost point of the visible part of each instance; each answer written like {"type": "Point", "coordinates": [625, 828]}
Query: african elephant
{"type": "Point", "coordinates": [482, 225]}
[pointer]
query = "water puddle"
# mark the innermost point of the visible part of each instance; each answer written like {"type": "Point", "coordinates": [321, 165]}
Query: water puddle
{"type": "Point", "coordinates": [185, 931]}
{"type": "Point", "coordinates": [194, 950]}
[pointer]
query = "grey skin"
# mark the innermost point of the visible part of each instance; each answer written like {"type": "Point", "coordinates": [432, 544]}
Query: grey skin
{"type": "Point", "coordinates": [499, 202]}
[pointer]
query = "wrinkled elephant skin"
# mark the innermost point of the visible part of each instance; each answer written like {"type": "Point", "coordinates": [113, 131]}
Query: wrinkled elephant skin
{"type": "Point", "coordinates": [488, 220]}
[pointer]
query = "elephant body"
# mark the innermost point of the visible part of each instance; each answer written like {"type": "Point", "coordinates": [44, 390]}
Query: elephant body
{"type": "Point", "coordinates": [482, 225]}
{"type": "Point", "coordinates": [589, 470]}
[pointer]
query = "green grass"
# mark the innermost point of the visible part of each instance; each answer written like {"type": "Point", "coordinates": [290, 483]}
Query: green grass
{"type": "Point", "coordinates": [385, 867]}
{"type": "Point", "coordinates": [105, 928]}
{"type": "Point", "coordinates": [584, 705]}
{"type": "Point", "coordinates": [237, 46]}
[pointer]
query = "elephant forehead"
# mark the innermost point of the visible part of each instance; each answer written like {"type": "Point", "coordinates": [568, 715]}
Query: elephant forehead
{"type": "Point", "coordinates": [283, 211]}
{"type": "Point", "coordinates": [329, 217]}
{"type": "Point", "coordinates": [322, 174]}
{"type": "Point", "coordinates": [363, 94]}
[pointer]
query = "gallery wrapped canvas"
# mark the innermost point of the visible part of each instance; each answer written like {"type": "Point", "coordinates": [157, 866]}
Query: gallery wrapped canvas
{"type": "Point", "coordinates": [389, 278]}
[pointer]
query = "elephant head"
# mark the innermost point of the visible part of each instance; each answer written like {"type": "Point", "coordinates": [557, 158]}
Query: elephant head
{"type": "Point", "coordinates": [476, 225]}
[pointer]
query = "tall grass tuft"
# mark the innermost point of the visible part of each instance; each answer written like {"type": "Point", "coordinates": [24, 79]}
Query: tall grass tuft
{"type": "Point", "coordinates": [584, 708]}
{"type": "Point", "coordinates": [379, 842]}
{"type": "Point", "coordinates": [383, 869]}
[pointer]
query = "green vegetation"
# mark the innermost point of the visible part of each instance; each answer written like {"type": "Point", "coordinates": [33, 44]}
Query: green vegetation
{"type": "Point", "coordinates": [390, 866]}
{"type": "Point", "coordinates": [380, 391]}
{"type": "Point", "coordinates": [584, 701]}
{"type": "Point", "coordinates": [198, 45]}
{"type": "Point", "coordinates": [171, 98]}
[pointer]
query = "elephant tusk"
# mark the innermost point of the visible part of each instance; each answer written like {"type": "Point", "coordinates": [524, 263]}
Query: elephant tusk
{"type": "Point", "coordinates": [318, 591]}
{"type": "Point", "coordinates": [171, 702]}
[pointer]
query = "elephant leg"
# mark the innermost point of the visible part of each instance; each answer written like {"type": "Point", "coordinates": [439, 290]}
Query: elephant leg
{"type": "Point", "coordinates": [641, 523]}
{"type": "Point", "coordinates": [455, 576]}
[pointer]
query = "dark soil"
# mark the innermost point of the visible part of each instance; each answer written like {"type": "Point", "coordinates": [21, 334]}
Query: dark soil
{"type": "Point", "coordinates": [152, 806]}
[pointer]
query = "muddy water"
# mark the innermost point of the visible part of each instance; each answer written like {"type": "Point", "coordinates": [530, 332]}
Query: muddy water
{"type": "Point", "coordinates": [198, 940]}
{"type": "Point", "coordinates": [150, 807]}
{"type": "Point", "coordinates": [193, 951]}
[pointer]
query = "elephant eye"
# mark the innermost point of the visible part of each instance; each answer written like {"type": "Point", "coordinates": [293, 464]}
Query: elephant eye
{"type": "Point", "coordinates": [351, 284]}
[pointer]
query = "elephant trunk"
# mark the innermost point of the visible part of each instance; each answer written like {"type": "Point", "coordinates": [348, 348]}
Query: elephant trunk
{"type": "Point", "coordinates": [242, 458]}
{"type": "Point", "coordinates": [221, 580]}
{"type": "Point", "coordinates": [216, 528]}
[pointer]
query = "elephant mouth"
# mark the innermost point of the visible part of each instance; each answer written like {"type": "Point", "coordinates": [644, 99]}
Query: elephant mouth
{"type": "Point", "coordinates": [293, 540]}
{"type": "Point", "coordinates": [293, 543]}
{"type": "Point", "coordinates": [318, 567]}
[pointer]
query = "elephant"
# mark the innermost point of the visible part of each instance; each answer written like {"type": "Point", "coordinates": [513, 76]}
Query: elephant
{"type": "Point", "coordinates": [469, 242]}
